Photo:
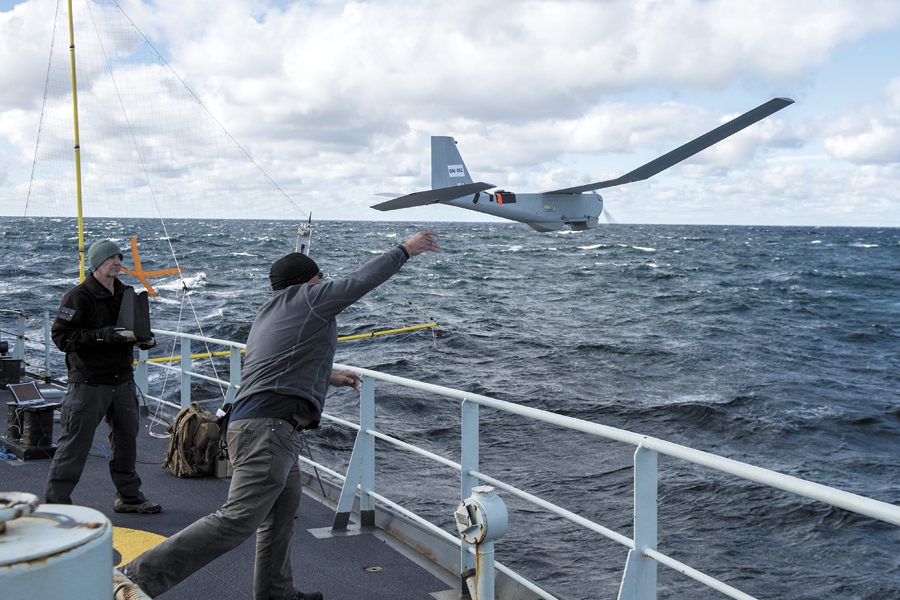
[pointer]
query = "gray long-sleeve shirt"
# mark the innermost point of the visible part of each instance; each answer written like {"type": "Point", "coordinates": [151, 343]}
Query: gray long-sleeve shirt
{"type": "Point", "coordinates": [290, 350]}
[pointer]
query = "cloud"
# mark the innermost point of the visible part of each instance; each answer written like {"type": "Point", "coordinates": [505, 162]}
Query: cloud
{"type": "Point", "coordinates": [868, 134]}
{"type": "Point", "coordinates": [878, 143]}
{"type": "Point", "coordinates": [767, 195]}
{"type": "Point", "coordinates": [24, 48]}
{"type": "Point", "coordinates": [366, 67]}
{"type": "Point", "coordinates": [336, 100]}
{"type": "Point", "coordinates": [892, 93]}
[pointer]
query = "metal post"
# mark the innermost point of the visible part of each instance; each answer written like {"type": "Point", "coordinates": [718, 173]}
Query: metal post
{"type": "Point", "coordinates": [639, 581]}
{"type": "Point", "coordinates": [361, 470]}
{"type": "Point", "coordinates": [469, 462]}
{"type": "Point", "coordinates": [19, 349]}
{"type": "Point", "coordinates": [142, 380]}
{"type": "Point", "coordinates": [348, 491]}
{"type": "Point", "coordinates": [185, 370]}
{"type": "Point", "coordinates": [234, 379]}
{"type": "Point", "coordinates": [367, 474]}
{"type": "Point", "coordinates": [47, 342]}
{"type": "Point", "coordinates": [484, 569]}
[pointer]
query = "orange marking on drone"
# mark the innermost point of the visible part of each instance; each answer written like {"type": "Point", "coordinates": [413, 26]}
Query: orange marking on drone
{"type": "Point", "coordinates": [143, 275]}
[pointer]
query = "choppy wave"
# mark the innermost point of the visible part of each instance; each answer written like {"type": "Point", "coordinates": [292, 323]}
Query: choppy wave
{"type": "Point", "coordinates": [775, 346]}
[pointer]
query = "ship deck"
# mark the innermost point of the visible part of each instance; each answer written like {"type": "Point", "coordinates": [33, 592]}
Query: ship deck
{"type": "Point", "coordinates": [367, 564]}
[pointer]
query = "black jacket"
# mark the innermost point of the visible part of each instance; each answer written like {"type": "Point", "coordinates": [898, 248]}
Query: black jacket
{"type": "Point", "coordinates": [78, 331]}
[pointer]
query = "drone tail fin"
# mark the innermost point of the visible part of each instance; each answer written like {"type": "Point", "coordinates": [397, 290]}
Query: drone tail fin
{"type": "Point", "coordinates": [447, 166]}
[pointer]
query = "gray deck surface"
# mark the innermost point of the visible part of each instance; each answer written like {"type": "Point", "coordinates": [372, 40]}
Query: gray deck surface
{"type": "Point", "coordinates": [336, 566]}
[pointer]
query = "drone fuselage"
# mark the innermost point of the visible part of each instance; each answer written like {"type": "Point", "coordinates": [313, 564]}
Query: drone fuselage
{"type": "Point", "coordinates": [542, 212]}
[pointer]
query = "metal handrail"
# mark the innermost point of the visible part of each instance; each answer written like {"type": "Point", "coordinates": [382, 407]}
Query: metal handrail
{"type": "Point", "coordinates": [642, 548]}
{"type": "Point", "coordinates": [200, 338]}
{"type": "Point", "coordinates": [20, 337]}
{"type": "Point", "coordinates": [633, 586]}
{"type": "Point", "coordinates": [853, 502]}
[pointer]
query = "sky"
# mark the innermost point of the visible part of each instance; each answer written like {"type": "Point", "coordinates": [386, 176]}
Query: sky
{"type": "Point", "coordinates": [336, 101]}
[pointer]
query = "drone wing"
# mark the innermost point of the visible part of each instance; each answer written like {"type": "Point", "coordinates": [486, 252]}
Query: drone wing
{"type": "Point", "coordinates": [433, 196]}
{"type": "Point", "coordinates": [686, 151]}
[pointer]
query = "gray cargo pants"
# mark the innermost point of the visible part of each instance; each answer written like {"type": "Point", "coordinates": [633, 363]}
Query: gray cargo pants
{"type": "Point", "coordinates": [264, 497]}
{"type": "Point", "coordinates": [83, 407]}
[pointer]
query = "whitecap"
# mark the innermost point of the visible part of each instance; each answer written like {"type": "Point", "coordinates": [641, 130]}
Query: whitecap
{"type": "Point", "coordinates": [644, 249]}
{"type": "Point", "coordinates": [218, 313]}
{"type": "Point", "coordinates": [168, 300]}
{"type": "Point", "coordinates": [198, 280]}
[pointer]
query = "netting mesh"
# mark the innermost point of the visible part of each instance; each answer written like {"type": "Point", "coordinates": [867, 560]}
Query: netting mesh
{"type": "Point", "coordinates": [148, 147]}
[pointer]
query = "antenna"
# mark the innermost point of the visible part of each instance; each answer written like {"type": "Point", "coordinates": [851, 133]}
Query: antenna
{"type": "Point", "coordinates": [304, 237]}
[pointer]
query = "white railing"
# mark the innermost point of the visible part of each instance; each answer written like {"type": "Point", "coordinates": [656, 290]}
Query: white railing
{"type": "Point", "coordinates": [184, 360]}
{"type": "Point", "coordinates": [639, 578]}
{"type": "Point", "coordinates": [21, 337]}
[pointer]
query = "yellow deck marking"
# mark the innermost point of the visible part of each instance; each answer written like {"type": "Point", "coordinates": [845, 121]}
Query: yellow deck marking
{"type": "Point", "coordinates": [131, 543]}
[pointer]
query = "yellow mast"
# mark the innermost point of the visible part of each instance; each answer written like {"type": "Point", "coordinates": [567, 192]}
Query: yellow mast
{"type": "Point", "coordinates": [77, 147]}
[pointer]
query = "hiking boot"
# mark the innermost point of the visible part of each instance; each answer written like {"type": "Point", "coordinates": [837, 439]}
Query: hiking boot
{"type": "Point", "coordinates": [145, 508]}
{"type": "Point", "coordinates": [309, 596]}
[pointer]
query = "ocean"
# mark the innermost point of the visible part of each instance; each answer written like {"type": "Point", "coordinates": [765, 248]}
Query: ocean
{"type": "Point", "coordinates": [776, 346]}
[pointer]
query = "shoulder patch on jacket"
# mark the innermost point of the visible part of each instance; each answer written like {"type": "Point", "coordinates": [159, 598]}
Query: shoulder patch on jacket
{"type": "Point", "coordinates": [65, 313]}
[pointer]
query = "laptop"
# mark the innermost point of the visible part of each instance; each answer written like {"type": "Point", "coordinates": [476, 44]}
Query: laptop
{"type": "Point", "coordinates": [26, 394]}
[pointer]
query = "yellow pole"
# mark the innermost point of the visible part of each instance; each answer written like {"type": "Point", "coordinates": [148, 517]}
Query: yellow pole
{"type": "Point", "coordinates": [166, 359]}
{"type": "Point", "coordinates": [365, 335]}
{"type": "Point", "coordinates": [77, 148]}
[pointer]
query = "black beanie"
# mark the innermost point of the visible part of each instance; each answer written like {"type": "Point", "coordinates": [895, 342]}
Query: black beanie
{"type": "Point", "coordinates": [293, 269]}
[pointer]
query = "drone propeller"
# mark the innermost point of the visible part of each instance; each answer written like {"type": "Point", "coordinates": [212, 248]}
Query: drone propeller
{"type": "Point", "coordinates": [609, 217]}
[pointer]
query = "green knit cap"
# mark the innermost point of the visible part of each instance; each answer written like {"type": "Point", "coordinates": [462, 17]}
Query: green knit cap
{"type": "Point", "coordinates": [100, 251]}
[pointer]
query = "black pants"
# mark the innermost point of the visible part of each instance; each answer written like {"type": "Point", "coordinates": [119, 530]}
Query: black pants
{"type": "Point", "coordinates": [83, 407]}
